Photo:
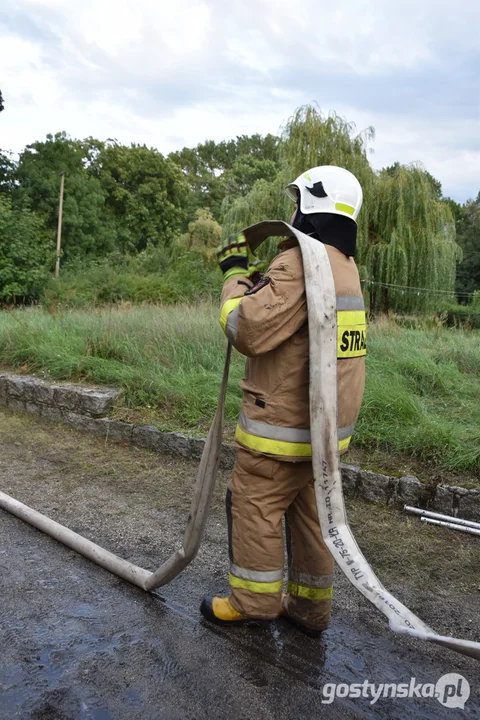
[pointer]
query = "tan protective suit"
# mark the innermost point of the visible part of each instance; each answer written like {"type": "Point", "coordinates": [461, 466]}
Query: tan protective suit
{"type": "Point", "coordinates": [273, 477]}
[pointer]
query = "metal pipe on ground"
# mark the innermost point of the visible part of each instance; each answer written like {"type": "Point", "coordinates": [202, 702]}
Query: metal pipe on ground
{"type": "Point", "coordinates": [440, 516]}
{"type": "Point", "coordinates": [451, 525]}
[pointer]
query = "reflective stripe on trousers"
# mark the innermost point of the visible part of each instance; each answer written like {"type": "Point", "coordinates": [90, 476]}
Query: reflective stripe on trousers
{"type": "Point", "coordinates": [277, 440]}
{"type": "Point", "coordinates": [256, 581]}
{"type": "Point", "coordinates": [310, 587]}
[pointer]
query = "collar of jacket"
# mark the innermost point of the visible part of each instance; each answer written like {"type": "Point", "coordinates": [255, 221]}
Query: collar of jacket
{"type": "Point", "coordinates": [331, 229]}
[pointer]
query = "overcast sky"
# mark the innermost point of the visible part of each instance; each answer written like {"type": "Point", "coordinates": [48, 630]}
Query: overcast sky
{"type": "Point", "coordinates": [170, 74]}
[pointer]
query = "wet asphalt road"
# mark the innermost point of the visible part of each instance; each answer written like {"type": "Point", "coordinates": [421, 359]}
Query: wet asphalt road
{"type": "Point", "coordinates": [78, 643]}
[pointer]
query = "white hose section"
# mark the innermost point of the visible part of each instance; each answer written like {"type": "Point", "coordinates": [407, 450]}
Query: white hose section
{"type": "Point", "coordinates": [124, 569]}
{"type": "Point", "coordinates": [320, 290]}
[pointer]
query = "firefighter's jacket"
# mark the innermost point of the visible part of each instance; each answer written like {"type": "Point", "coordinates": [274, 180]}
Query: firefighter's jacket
{"type": "Point", "coordinates": [268, 323]}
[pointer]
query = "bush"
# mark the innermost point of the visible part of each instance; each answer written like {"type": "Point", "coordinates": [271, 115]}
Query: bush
{"type": "Point", "coordinates": [476, 301]}
{"type": "Point", "coordinates": [132, 280]}
{"type": "Point", "coordinates": [464, 318]}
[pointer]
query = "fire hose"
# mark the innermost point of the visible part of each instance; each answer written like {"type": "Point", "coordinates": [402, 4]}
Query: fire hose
{"type": "Point", "coordinates": [321, 304]}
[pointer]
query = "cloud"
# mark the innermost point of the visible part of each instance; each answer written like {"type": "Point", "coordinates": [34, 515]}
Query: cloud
{"type": "Point", "coordinates": [448, 149]}
{"type": "Point", "coordinates": [179, 73]}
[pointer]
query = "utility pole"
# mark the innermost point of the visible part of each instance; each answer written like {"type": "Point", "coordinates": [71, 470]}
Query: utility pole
{"type": "Point", "coordinates": [59, 227]}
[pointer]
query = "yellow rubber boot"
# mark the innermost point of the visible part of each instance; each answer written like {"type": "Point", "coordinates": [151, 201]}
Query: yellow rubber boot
{"type": "Point", "coordinates": [220, 611]}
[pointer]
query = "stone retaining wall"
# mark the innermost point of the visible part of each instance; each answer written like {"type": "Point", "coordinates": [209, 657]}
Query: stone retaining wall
{"type": "Point", "coordinates": [52, 400]}
{"type": "Point", "coordinates": [86, 409]}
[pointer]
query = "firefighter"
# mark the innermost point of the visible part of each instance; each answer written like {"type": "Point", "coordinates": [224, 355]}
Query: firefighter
{"type": "Point", "coordinates": [266, 320]}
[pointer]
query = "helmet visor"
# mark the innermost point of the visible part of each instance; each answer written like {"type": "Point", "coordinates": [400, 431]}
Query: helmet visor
{"type": "Point", "coordinates": [293, 192]}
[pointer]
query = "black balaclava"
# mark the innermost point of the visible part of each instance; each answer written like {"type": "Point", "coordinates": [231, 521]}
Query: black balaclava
{"type": "Point", "coordinates": [329, 228]}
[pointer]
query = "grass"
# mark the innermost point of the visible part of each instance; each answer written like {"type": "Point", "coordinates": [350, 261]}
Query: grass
{"type": "Point", "coordinates": [167, 359]}
{"type": "Point", "coordinates": [423, 385]}
{"type": "Point", "coordinates": [449, 558]}
{"type": "Point", "coordinates": [423, 395]}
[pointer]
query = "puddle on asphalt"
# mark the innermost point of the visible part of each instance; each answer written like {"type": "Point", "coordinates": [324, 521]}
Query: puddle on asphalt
{"type": "Point", "coordinates": [77, 645]}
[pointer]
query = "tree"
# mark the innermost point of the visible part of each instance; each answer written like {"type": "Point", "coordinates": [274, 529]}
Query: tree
{"type": "Point", "coordinates": [204, 231]}
{"type": "Point", "coordinates": [205, 188]}
{"type": "Point", "coordinates": [411, 242]}
{"type": "Point", "coordinates": [245, 172]}
{"type": "Point", "coordinates": [132, 198]}
{"type": "Point", "coordinates": [309, 139]}
{"type": "Point", "coordinates": [145, 193]}
{"type": "Point", "coordinates": [218, 173]}
{"type": "Point", "coordinates": [23, 255]}
{"type": "Point", "coordinates": [202, 238]}
{"type": "Point", "coordinates": [435, 184]}
{"type": "Point", "coordinates": [7, 172]}
{"type": "Point", "coordinates": [87, 230]}
{"type": "Point", "coordinates": [467, 219]}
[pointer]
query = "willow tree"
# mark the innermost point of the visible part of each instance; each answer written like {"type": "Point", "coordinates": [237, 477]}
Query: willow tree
{"type": "Point", "coordinates": [406, 236]}
{"type": "Point", "coordinates": [411, 242]}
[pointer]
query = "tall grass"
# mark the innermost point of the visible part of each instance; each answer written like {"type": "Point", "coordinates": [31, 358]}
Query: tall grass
{"type": "Point", "coordinates": [423, 395]}
{"type": "Point", "coordinates": [167, 359]}
{"type": "Point", "coordinates": [423, 385]}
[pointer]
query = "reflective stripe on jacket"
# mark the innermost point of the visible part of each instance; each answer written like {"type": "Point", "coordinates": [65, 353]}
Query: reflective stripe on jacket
{"type": "Point", "coordinates": [268, 324]}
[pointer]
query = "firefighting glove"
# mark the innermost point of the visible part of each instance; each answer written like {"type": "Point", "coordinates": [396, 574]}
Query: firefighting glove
{"type": "Point", "coordinates": [256, 270]}
{"type": "Point", "coordinates": [233, 256]}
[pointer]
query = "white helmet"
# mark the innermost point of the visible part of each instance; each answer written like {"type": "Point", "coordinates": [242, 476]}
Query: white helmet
{"type": "Point", "coordinates": [327, 189]}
